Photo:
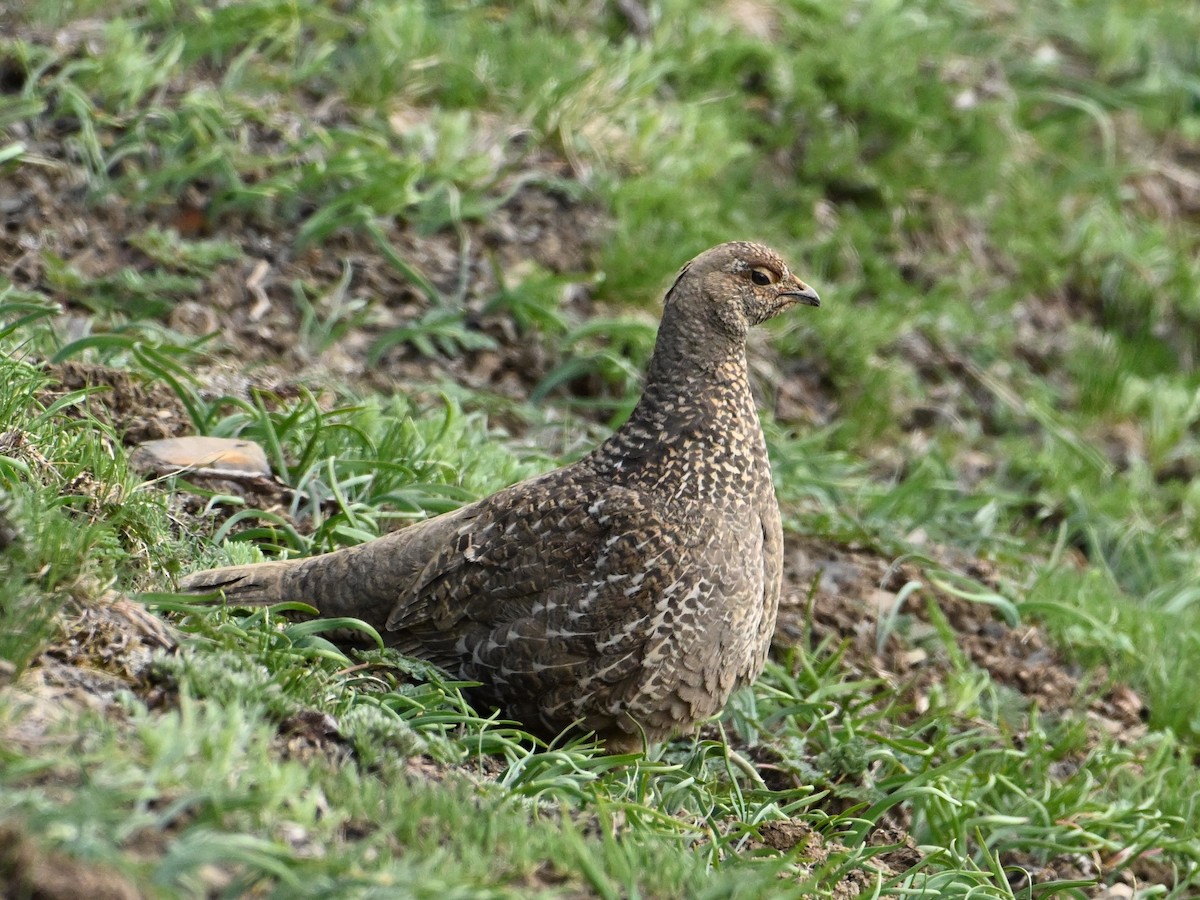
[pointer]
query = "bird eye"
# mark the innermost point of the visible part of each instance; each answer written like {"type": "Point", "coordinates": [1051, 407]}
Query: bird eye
{"type": "Point", "coordinates": [762, 276]}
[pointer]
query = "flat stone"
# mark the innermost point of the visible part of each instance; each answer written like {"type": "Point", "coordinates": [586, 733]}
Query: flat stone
{"type": "Point", "coordinates": [181, 454]}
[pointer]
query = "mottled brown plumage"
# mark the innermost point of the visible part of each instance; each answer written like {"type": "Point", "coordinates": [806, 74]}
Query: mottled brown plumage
{"type": "Point", "coordinates": [628, 593]}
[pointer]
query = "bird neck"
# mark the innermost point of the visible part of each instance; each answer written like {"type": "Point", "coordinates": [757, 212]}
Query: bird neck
{"type": "Point", "coordinates": [690, 344]}
{"type": "Point", "coordinates": [697, 410]}
{"type": "Point", "coordinates": [697, 377]}
{"type": "Point", "coordinates": [696, 395]}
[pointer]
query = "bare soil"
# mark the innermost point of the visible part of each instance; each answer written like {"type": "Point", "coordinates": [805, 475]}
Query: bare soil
{"type": "Point", "coordinates": [855, 593]}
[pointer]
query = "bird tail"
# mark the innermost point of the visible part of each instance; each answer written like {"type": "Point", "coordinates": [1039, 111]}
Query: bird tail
{"type": "Point", "coordinates": [259, 584]}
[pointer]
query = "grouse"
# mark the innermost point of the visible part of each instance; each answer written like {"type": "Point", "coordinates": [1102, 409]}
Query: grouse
{"type": "Point", "coordinates": [628, 593]}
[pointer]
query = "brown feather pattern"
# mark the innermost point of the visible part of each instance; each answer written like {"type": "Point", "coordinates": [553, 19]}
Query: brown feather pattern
{"type": "Point", "coordinates": [628, 593]}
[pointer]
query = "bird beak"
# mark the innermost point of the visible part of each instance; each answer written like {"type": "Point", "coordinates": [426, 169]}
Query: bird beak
{"type": "Point", "coordinates": [802, 294]}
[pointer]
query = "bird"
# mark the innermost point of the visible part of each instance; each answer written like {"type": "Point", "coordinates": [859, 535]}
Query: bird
{"type": "Point", "coordinates": [626, 594]}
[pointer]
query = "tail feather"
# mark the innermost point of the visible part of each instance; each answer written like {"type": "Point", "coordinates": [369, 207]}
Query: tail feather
{"type": "Point", "coordinates": [259, 584]}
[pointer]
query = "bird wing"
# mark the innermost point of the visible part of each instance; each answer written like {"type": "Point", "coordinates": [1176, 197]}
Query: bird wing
{"type": "Point", "coordinates": [540, 551]}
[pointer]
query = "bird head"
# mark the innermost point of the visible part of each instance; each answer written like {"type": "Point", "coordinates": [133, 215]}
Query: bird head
{"type": "Point", "coordinates": [736, 286]}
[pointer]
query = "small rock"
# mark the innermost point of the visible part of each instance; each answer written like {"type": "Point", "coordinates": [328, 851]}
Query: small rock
{"type": "Point", "coordinates": [175, 455]}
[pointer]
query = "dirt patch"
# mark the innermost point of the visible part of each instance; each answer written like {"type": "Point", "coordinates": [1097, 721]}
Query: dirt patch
{"type": "Point", "coordinates": [136, 410]}
{"type": "Point", "coordinates": [102, 648]}
{"type": "Point", "coordinates": [308, 735]}
{"type": "Point", "coordinates": [28, 869]}
{"type": "Point", "coordinates": [895, 852]}
{"type": "Point", "coordinates": [1118, 876]}
{"type": "Point", "coordinates": [313, 310]}
{"type": "Point", "coordinates": [112, 634]}
{"type": "Point", "coordinates": [855, 592]}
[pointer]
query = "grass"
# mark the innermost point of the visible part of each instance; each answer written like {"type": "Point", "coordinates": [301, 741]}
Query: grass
{"type": "Point", "coordinates": [995, 204]}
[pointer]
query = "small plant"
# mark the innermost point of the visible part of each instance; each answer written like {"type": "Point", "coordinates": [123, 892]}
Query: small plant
{"type": "Point", "coordinates": [169, 250]}
{"type": "Point", "coordinates": [613, 350]}
{"type": "Point", "coordinates": [327, 319]}
{"type": "Point", "coordinates": [438, 332]}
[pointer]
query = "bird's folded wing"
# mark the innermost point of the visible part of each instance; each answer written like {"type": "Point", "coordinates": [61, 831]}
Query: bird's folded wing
{"type": "Point", "coordinates": [586, 559]}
